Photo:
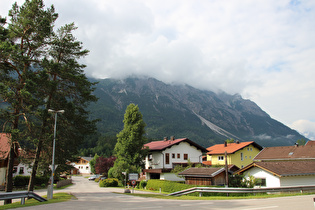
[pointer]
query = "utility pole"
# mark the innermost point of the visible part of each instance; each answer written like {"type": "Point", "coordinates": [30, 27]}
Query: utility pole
{"type": "Point", "coordinates": [226, 170]}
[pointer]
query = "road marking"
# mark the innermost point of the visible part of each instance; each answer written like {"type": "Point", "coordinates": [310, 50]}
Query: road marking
{"type": "Point", "coordinates": [265, 207]}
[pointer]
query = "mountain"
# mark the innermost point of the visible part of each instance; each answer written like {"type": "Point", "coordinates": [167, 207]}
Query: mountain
{"type": "Point", "coordinates": [183, 111]}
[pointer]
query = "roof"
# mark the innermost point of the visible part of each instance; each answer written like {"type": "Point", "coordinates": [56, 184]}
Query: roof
{"type": "Point", "coordinates": [162, 145]}
{"type": "Point", "coordinates": [4, 145]}
{"type": "Point", "coordinates": [287, 152]}
{"type": "Point", "coordinates": [310, 142]}
{"type": "Point", "coordinates": [284, 168]}
{"type": "Point", "coordinates": [230, 148]}
{"type": "Point", "coordinates": [202, 172]}
{"type": "Point", "coordinates": [87, 158]}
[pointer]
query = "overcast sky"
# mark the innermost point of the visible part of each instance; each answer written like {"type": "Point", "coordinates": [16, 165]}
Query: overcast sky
{"type": "Point", "coordinates": [261, 49]}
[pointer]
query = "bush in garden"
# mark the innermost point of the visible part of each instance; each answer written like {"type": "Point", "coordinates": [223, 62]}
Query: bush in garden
{"type": "Point", "coordinates": [110, 182]}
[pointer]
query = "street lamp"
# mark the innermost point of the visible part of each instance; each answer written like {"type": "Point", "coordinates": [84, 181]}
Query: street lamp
{"type": "Point", "coordinates": [50, 189]}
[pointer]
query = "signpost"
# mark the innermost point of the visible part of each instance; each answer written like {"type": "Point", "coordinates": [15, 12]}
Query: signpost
{"type": "Point", "coordinates": [133, 177]}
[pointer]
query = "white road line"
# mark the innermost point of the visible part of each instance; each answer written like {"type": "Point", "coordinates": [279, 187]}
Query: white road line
{"type": "Point", "coordinates": [265, 207]}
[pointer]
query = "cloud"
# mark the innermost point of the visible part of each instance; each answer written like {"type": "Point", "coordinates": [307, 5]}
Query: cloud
{"type": "Point", "coordinates": [263, 50]}
{"type": "Point", "coordinates": [306, 127]}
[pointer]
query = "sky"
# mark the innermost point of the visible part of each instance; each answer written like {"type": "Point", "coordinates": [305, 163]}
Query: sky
{"type": "Point", "coordinates": [261, 49]}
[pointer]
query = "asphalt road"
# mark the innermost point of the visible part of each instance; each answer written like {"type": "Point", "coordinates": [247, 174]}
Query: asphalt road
{"type": "Point", "coordinates": [90, 196]}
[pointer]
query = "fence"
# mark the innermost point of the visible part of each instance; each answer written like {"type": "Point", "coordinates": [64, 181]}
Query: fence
{"type": "Point", "coordinates": [22, 195]}
{"type": "Point", "coordinates": [243, 190]}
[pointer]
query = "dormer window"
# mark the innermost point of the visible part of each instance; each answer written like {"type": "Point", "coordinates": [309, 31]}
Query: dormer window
{"type": "Point", "coordinates": [291, 153]}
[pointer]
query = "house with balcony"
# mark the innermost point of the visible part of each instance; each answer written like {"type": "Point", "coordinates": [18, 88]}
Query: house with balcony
{"type": "Point", "coordinates": [81, 166]}
{"type": "Point", "coordinates": [164, 155]}
{"type": "Point", "coordinates": [283, 166]}
{"type": "Point", "coordinates": [239, 154]}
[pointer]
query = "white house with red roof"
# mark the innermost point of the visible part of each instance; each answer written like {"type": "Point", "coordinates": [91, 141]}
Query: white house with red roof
{"type": "Point", "coordinates": [164, 155]}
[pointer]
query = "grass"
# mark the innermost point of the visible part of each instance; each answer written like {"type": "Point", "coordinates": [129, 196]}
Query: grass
{"type": "Point", "coordinates": [189, 197]}
{"type": "Point", "coordinates": [58, 197]}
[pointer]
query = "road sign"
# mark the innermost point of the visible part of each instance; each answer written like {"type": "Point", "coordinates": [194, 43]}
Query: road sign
{"type": "Point", "coordinates": [133, 176]}
{"type": "Point", "coordinates": [133, 182]}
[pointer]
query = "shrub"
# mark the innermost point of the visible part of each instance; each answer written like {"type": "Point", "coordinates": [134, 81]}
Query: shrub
{"type": "Point", "coordinates": [21, 181]}
{"type": "Point", "coordinates": [142, 184]}
{"type": "Point", "coordinates": [110, 182]}
{"type": "Point", "coordinates": [167, 186]}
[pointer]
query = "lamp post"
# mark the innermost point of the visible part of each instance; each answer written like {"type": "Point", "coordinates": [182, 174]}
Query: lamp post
{"type": "Point", "coordinates": [51, 187]}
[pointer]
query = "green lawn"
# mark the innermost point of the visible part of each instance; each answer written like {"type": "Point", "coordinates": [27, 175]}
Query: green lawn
{"type": "Point", "coordinates": [58, 197]}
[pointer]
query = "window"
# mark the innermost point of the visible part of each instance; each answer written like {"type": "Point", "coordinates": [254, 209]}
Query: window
{"type": "Point", "coordinates": [185, 156]}
{"type": "Point", "coordinates": [242, 158]}
{"type": "Point", "coordinates": [220, 158]}
{"type": "Point", "coordinates": [150, 157]}
{"type": "Point", "coordinates": [86, 168]}
{"type": "Point", "coordinates": [173, 155]}
{"type": "Point", "coordinates": [178, 156]}
{"type": "Point", "coordinates": [21, 170]}
{"type": "Point", "coordinates": [261, 182]}
{"type": "Point", "coordinates": [167, 158]}
{"type": "Point", "coordinates": [14, 169]}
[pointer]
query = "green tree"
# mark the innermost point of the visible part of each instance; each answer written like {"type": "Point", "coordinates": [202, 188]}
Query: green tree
{"type": "Point", "coordinates": [23, 44]}
{"type": "Point", "coordinates": [92, 163]}
{"type": "Point", "coordinates": [39, 70]}
{"type": "Point", "coordinates": [301, 142]}
{"type": "Point", "coordinates": [129, 147]}
{"type": "Point", "coordinates": [229, 141]}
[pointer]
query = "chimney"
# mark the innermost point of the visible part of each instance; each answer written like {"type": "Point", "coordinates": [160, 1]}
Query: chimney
{"type": "Point", "coordinates": [296, 144]}
{"type": "Point", "coordinates": [165, 138]}
{"type": "Point", "coordinates": [237, 142]}
{"type": "Point", "coordinates": [172, 138]}
{"type": "Point", "coordinates": [225, 144]}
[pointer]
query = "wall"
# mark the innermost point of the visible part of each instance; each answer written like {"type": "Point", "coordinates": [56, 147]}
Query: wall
{"type": "Point", "coordinates": [271, 180]}
{"type": "Point", "coordinates": [2, 175]}
{"type": "Point", "coordinates": [297, 180]}
{"type": "Point", "coordinates": [249, 153]}
{"type": "Point", "coordinates": [26, 170]}
{"type": "Point", "coordinates": [194, 155]}
{"type": "Point", "coordinates": [171, 177]}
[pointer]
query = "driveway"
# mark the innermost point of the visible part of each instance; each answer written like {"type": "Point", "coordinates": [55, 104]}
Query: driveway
{"type": "Point", "coordinates": [90, 196]}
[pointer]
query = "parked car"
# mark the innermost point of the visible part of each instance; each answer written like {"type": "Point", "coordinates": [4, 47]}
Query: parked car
{"type": "Point", "coordinates": [103, 178]}
{"type": "Point", "coordinates": [93, 177]}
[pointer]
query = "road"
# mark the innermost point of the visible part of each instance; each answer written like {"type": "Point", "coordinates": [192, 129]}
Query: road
{"type": "Point", "coordinates": [90, 196]}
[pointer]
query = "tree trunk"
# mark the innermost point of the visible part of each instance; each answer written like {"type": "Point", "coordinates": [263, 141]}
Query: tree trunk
{"type": "Point", "coordinates": [35, 166]}
{"type": "Point", "coordinates": [9, 175]}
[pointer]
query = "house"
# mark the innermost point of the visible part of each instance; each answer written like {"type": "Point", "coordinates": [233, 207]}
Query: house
{"type": "Point", "coordinates": [207, 176]}
{"type": "Point", "coordinates": [82, 166]}
{"type": "Point", "coordinates": [239, 153]}
{"type": "Point", "coordinates": [281, 173]}
{"type": "Point", "coordinates": [283, 166]}
{"type": "Point", "coordinates": [5, 139]}
{"type": "Point", "coordinates": [24, 166]}
{"type": "Point", "coordinates": [164, 155]}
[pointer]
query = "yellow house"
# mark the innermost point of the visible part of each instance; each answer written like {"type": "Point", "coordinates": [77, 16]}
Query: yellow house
{"type": "Point", "coordinates": [240, 153]}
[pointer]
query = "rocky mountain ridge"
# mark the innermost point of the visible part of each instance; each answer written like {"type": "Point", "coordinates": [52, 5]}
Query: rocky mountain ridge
{"type": "Point", "coordinates": [183, 111]}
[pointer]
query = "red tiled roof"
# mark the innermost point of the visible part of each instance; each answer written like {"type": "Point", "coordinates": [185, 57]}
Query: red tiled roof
{"type": "Point", "coordinates": [4, 145]}
{"type": "Point", "coordinates": [287, 152]}
{"type": "Point", "coordinates": [161, 145]}
{"type": "Point", "coordinates": [310, 142]}
{"type": "Point", "coordinates": [230, 147]}
{"type": "Point", "coordinates": [284, 168]}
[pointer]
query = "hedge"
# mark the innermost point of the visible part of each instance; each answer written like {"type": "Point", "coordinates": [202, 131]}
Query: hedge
{"type": "Point", "coordinates": [21, 181]}
{"type": "Point", "coordinates": [167, 186]}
